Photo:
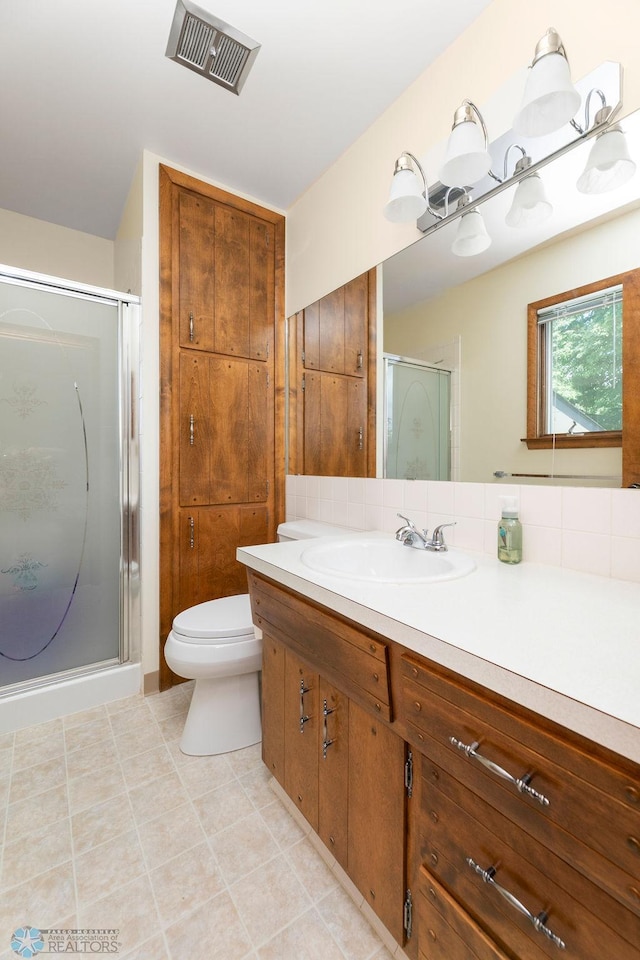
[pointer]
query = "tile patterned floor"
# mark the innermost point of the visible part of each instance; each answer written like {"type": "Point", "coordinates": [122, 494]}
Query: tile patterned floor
{"type": "Point", "coordinates": [105, 824]}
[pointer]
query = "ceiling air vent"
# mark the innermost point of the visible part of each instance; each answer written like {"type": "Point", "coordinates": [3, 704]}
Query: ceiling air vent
{"type": "Point", "coordinates": [210, 47]}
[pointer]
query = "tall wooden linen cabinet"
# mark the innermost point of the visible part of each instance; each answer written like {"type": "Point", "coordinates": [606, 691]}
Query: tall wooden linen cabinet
{"type": "Point", "coordinates": [221, 390]}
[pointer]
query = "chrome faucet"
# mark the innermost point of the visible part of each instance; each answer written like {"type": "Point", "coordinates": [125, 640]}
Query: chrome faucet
{"type": "Point", "coordinates": [411, 536]}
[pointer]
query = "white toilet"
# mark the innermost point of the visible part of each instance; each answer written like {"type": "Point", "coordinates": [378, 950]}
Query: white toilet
{"type": "Point", "coordinates": [215, 644]}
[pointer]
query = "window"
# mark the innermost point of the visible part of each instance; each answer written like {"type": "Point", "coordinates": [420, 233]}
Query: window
{"type": "Point", "coordinates": [575, 367]}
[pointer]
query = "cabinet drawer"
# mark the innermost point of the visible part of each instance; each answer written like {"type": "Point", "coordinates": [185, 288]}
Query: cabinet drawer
{"type": "Point", "coordinates": [594, 804]}
{"type": "Point", "coordinates": [445, 930]}
{"type": "Point", "coordinates": [356, 661]}
{"type": "Point", "coordinates": [462, 835]}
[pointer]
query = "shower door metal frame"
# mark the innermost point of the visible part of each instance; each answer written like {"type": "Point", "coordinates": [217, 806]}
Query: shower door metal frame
{"type": "Point", "coordinates": [129, 315]}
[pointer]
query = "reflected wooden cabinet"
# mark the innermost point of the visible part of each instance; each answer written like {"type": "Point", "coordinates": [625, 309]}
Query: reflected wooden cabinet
{"type": "Point", "coordinates": [332, 394]}
{"type": "Point", "coordinates": [221, 410]}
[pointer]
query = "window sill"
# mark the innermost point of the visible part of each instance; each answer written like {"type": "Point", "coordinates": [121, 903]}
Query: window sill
{"type": "Point", "coordinates": [566, 441]}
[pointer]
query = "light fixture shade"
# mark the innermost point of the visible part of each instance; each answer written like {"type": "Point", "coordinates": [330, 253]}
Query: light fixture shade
{"type": "Point", "coordinates": [467, 159]}
{"type": "Point", "coordinates": [550, 98]}
{"type": "Point", "coordinates": [472, 236]}
{"type": "Point", "coordinates": [530, 205]}
{"type": "Point", "coordinates": [609, 164]}
{"type": "Point", "coordinates": [406, 198]}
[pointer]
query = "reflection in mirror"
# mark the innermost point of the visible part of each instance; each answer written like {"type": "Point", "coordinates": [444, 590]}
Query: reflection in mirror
{"type": "Point", "coordinates": [474, 311]}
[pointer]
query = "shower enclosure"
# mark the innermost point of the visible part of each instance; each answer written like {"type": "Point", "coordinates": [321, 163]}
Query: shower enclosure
{"type": "Point", "coordinates": [68, 479]}
{"type": "Point", "coordinates": [417, 437]}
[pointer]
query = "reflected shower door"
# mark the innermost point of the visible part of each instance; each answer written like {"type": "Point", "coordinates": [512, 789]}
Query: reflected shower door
{"type": "Point", "coordinates": [418, 431]}
{"type": "Point", "coordinates": [60, 482]}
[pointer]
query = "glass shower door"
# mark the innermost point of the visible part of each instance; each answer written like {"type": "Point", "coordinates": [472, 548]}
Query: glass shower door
{"type": "Point", "coordinates": [61, 474]}
{"type": "Point", "coordinates": [417, 419]}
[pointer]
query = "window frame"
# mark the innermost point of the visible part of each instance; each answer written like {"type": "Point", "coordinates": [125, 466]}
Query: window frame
{"type": "Point", "coordinates": [536, 439]}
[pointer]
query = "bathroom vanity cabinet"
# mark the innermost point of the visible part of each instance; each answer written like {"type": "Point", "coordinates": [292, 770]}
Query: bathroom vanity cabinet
{"type": "Point", "coordinates": [328, 740]}
{"type": "Point", "coordinates": [475, 828]}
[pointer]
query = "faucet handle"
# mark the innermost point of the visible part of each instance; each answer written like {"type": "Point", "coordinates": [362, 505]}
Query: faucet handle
{"type": "Point", "coordinates": [437, 538]}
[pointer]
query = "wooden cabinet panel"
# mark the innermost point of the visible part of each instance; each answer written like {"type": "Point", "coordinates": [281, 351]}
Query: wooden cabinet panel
{"type": "Point", "coordinates": [336, 330]}
{"type": "Point", "coordinates": [356, 661]}
{"type": "Point", "coordinates": [462, 832]}
{"type": "Point", "coordinates": [195, 270]}
{"type": "Point", "coordinates": [333, 779]}
{"type": "Point", "coordinates": [208, 537]}
{"type": "Point", "coordinates": [241, 449]}
{"type": "Point", "coordinates": [244, 289]}
{"type": "Point", "coordinates": [301, 736]}
{"type": "Point", "coordinates": [273, 657]}
{"type": "Point", "coordinates": [377, 816]}
{"type": "Point", "coordinates": [335, 424]}
{"type": "Point", "coordinates": [356, 303]}
{"type": "Point", "coordinates": [592, 826]}
{"type": "Point", "coordinates": [446, 931]}
{"type": "Point", "coordinates": [194, 429]}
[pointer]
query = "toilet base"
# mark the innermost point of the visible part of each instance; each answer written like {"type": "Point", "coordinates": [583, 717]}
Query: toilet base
{"type": "Point", "coordinates": [224, 715]}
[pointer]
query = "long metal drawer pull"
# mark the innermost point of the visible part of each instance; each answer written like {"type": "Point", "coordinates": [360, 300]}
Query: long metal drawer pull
{"type": "Point", "coordinates": [522, 783]}
{"type": "Point", "coordinates": [539, 921]}
{"type": "Point", "coordinates": [191, 533]}
{"type": "Point", "coordinates": [192, 430]}
{"type": "Point", "coordinates": [326, 743]}
{"type": "Point", "coordinates": [303, 716]}
{"type": "Point", "coordinates": [191, 330]}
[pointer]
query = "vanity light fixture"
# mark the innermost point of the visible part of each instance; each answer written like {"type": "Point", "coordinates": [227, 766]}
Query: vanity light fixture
{"type": "Point", "coordinates": [530, 205]}
{"type": "Point", "coordinates": [408, 196]}
{"type": "Point", "coordinates": [471, 237]}
{"type": "Point", "coordinates": [467, 159]}
{"type": "Point", "coordinates": [550, 98]}
{"type": "Point", "coordinates": [609, 165]}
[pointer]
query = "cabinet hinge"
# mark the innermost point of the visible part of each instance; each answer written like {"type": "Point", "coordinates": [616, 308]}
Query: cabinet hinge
{"type": "Point", "coordinates": [303, 382]}
{"type": "Point", "coordinates": [267, 349]}
{"type": "Point", "coordinates": [268, 379]}
{"type": "Point", "coordinates": [408, 915]}
{"type": "Point", "coordinates": [408, 774]}
{"type": "Point", "coordinates": [303, 356]}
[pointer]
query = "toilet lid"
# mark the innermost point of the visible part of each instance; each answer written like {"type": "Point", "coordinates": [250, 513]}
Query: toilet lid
{"type": "Point", "coordinates": [216, 619]}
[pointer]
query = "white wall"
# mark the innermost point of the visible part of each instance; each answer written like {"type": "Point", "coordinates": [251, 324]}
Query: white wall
{"type": "Point", "coordinates": [489, 314]}
{"type": "Point", "coordinates": [336, 230]}
{"type": "Point", "coordinates": [31, 244]}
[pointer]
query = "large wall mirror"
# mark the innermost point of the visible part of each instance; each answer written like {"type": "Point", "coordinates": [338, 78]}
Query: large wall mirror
{"type": "Point", "coordinates": [469, 315]}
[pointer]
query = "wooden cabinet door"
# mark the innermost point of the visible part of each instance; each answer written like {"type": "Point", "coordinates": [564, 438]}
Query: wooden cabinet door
{"type": "Point", "coordinates": [335, 425]}
{"type": "Point", "coordinates": [244, 285]}
{"type": "Point", "coordinates": [195, 269]}
{"type": "Point", "coordinates": [336, 330]}
{"type": "Point", "coordinates": [333, 779]}
{"type": "Point", "coordinates": [273, 680]}
{"type": "Point", "coordinates": [301, 736]}
{"type": "Point", "coordinates": [194, 429]}
{"type": "Point", "coordinates": [241, 411]}
{"type": "Point", "coordinates": [226, 279]}
{"type": "Point", "coordinates": [207, 542]}
{"type": "Point", "coordinates": [376, 858]}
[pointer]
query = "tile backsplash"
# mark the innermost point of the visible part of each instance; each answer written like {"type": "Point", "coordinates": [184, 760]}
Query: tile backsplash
{"type": "Point", "coordinates": [581, 528]}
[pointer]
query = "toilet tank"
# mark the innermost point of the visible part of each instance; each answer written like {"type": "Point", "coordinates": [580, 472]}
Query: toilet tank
{"type": "Point", "coordinates": [308, 529]}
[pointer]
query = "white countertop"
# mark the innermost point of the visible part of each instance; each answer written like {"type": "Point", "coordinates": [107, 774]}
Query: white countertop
{"type": "Point", "coordinates": [562, 643]}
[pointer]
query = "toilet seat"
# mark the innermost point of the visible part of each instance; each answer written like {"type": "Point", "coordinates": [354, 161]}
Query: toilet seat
{"type": "Point", "coordinates": [226, 620]}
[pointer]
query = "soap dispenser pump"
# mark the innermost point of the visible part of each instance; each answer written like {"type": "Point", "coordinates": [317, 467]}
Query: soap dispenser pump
{"type": "Point", "coordinates": [509, 532]}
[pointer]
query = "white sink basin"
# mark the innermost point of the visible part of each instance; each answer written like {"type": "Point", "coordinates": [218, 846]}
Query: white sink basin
{"type": "Point", "coordinates": [379, 560]}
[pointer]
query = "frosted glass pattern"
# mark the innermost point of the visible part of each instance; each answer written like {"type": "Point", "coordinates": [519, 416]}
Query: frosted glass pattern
{"type": "Point", "coordinates": [418, 437]}
{"type": "Point", "coordinates": [60, 512]}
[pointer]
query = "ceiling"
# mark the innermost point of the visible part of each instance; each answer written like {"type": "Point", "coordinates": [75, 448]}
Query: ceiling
{"type": "Point", "coordinates": [85, 86]}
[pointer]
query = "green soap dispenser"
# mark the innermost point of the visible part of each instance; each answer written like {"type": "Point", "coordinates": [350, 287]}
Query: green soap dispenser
{"type": "Point", "coordinates": [509, 532]}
